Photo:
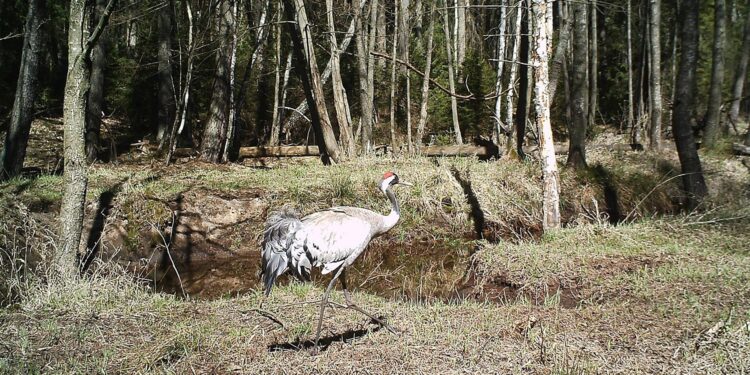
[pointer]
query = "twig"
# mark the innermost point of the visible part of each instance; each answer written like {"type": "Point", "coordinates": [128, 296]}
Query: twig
{"type": "Point", "coordinates": [99, 28]}
{"type": "Point", "coordinates": [441, 87]}
{"type": "Point", "coordinates": [298, 112]}
{"type": "Point", "coordinates": [716, 220]}
{"type": "Point", "coordinates": [270, 316]}
{"type": "Point", "coordinates": [169, 254]}
{"type": "Point", "coordinates": [11, 36]}
{"type": "Point", "coordinates": [651, 191]}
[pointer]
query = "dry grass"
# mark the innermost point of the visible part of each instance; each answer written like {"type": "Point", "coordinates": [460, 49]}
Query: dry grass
{"type": "Point", "coordinates": [647, 302]}
{"type": "Point", "coordinates": [655, 294]}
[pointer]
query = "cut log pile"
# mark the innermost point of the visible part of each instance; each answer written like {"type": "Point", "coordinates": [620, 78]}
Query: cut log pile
{"type": "Point", "coordinates": [433, 151]}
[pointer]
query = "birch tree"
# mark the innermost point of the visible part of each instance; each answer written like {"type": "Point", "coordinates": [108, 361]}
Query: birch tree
{"type": "Point", "coordinates": [426, 79]}
{"type": "Point", "coordinates": [514, 144]}
{"type": "Point", "coordinates": [451, 79]}
{"type": "Point", "coordinates": [542, 12]}
{"type": "Point", "coordinates": [499, 128]}
{"type": "Point", "coordinates": [655, 75]}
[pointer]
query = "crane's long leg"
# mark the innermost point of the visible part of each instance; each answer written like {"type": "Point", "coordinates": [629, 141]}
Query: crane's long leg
{"type": "Point", "coordinates": [324, 302]}
{"type": "Point", "coordinates": [352, 306]}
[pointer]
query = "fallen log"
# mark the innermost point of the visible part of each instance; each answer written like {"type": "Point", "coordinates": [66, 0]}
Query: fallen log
{"type": "Point", "coordinates": [454, 150]}
{"type": "Point", "coordinates": [292, 151]}
{"type": "Point", "coordinates": [431, 151]}
{"type": "Point", "coordinates": [740, 149]}
{"type": "Point", "coordinates": [262, 151]}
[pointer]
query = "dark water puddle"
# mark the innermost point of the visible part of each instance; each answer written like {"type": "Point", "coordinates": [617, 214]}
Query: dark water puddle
{"type": "Point", "coordinates": [421, 271]}
{"type": "Point", "coordinates": [416, 271]}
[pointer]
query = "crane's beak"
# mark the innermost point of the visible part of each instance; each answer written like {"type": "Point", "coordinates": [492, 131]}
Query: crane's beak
{"type": "Point", "coordinates": [405, 183]}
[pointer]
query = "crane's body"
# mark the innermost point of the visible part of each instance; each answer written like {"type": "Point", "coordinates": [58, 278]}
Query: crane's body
{"type": "Point", "coordinates": [331, 240]}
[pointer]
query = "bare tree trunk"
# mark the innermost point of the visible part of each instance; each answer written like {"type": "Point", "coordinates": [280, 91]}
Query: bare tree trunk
{"type": "Point", "coordinates": [694, 184]}
{"type": "Point", "coordinates": [593, 66]}
{"type": "Point", "coordinates": [426, 78]}
{"type": "Point", "coordinates": [580, 89]}
{"type": "Point", "coordinates": [460, 35]}
{"type": "Point", "coordinates": [418, 23]}
{"type": "Point", "coordinates": [273, 140]}
{"type": "Point", "coordinates": [713, 115]}
{"type": "Point", "coordinates": [95, 103]}
{"type": "Point", "coordinates": [370, 121]}
{"type": "Point", "coordinates": [166, 94]}
{"type": "Point", "coordinates": [381, 35]}
{"type": "Point", "coordinates": [303, 47]}
{"type": "Point", "coordinates": [365, 66]}
{"type": "Point", "coordinates": [740, 75]}
{"type": "Point", "coordinates": [80, 42]}
{"type": "Point", "coordinates": [630, 69]}
{"type": "Point", "coordinates": [637, 136]}
{"type": "Point", "coordinates": [655, 81]}
{"type": "Point", "coordinates": [215, 133]}
{"type": "Point", "coordinates": [551, 203]}
{"type": "Point", "coordinates": [513, 144]}
{"type": "Point", "coordinates": [340, 100]}
{"type": "Point", "coordinates": [393, 80]}
{"type": "Point", "coordinates": [299, 111]}
{"type": "Point", "coordinates": [522, 112]}
{"type": "Point", "coordinates": [232, 115]}
{"type": "Point", "coordinates": [558, 60]}
{"type": "Point", "coordinates": [180, 121]}
{"type": "Point", "coordinates": [256, 60]}
{"type": "Point", "coordinates": [451, 79]}
{"type": "Point", "coordinates": [405, 24]}
{"type": "Point", "coordinates": [499, 128]}
{"type": "Point", "coordinates": [284, 85]}
{"type": "Point", "coordinates": [27, 91]}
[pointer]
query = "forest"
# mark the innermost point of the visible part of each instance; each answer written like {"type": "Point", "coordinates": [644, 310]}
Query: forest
{"type": "Point", "coordinates": [220, 186]}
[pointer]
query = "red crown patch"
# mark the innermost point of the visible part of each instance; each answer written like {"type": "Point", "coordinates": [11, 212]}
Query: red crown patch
{"type": "Point", "coordinates": [387, 174]}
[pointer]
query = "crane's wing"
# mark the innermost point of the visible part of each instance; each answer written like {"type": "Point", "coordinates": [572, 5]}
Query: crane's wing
{"type": "Point", "coordinates": [279, 235]}
{"type": "Point", "coordinates": [335, 235]}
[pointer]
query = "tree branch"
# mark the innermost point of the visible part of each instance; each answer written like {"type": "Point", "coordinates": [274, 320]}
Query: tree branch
{"type": "Point", "coordinates": [99, 28]}
{"type": "Point", "coordinates": [434, 82]}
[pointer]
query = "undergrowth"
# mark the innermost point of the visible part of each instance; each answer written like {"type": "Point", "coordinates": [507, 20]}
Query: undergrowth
{"type": "Point", "coordinates": [631, 284]}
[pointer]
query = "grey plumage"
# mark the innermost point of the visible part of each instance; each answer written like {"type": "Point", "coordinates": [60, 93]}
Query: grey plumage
{"type": "Point", "coordinates": [330, 239]}
{"type": "Point", "coordinates": [277, 237]}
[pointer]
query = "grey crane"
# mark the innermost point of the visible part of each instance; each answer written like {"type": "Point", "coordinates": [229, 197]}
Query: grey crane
{"type": "Point", "coordinates": [331, 239]}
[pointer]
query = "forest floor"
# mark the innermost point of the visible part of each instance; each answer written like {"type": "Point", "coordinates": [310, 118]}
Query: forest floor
{"type": "Point", "coordinates": [630, 285]}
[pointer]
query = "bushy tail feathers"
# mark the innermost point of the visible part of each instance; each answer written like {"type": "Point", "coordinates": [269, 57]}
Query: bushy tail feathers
{"type": "Point", "coordinates": [278, 235]}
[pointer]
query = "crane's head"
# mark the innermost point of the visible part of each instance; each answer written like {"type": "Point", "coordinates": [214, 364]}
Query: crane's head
{"type": "Point", "coordinates": [391, 179]}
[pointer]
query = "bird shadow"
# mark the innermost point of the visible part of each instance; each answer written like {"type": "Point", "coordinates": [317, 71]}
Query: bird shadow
{"type": "Point", "coordinates": [324, 342]}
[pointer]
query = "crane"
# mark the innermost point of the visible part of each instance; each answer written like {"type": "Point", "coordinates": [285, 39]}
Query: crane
{"type": "Point", "coordinates": [331, 239]}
